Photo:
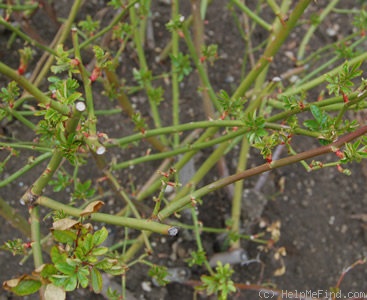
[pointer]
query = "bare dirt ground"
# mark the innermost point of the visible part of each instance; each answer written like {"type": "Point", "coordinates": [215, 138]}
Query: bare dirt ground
{"type": "Point", "coordinates": [314, 210]}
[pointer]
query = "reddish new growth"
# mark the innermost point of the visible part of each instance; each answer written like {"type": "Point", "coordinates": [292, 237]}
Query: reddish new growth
{"type": "Point", "coordinates": [316, 164]}
{"type": "Point", "coordinates": [21, 69]}
{"type": "Point", "coordinates": [345, 98]}
{"type": "Point", "coordinates": [224, 115]}
{"type": "Point", "coordinates": [287, 140]}
{"type": "Point", "coordinates": [269, 158]}
{"type": "Point", "coordinates": [340, 169]}
{"type": "Point", "coordinates": [75, 62]}
{"type": "Point", "coordinates": [27, 245]}
{"type": "Point", "coordinates": [96, 73]}
{"type": "Point", "coordinates": [339, 154]}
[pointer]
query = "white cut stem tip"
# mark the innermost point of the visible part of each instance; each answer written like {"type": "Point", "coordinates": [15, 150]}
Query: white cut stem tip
{"type": "Point", "coordinates": [172, 231]}
{"type": "Point", "coordinates": [80, 106]}
{"type": "Point", "coordinates": [101, 150]}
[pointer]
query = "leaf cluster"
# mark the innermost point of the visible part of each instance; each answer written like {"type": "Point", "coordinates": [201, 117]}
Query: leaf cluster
{"type": "Point", "coordinates": [232, 107]}
{"type": "Point", "coordinates": [77, 260]}
{"type": "Point", "coordinates": [342, 82]}
{"type": "Point", "coordinates": [256, 128]}
{"type": "Point", "coordinates": [220, 283]}
{"type": "Point", "coordinates": [159, 273]}
{"type": "Point", "coordinates": [181, 64]}
{"type": "Point", "coordinates": [89, 26]}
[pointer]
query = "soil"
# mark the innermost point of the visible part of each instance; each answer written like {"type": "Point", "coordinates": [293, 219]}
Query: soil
{"type": "Point", "coordinates": [314, 210]}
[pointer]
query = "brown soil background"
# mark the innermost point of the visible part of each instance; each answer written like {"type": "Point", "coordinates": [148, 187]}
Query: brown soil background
{"type": "Point", "coordinates": [315, 209]}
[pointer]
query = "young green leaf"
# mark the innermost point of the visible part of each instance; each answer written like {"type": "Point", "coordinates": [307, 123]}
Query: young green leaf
{"type": "Point", "coordinates": [71, 283]}
{"type": "Point", "coordinates": [26, 287]}
{"type": "Point", "coordinates": [56, 256]}
{"type": "Point", "coordinates": [66, 268]}
{"type": "Point", "coordinates": [99, 251]}
{"type": "Point", "coordinates": [159, 273]}
{"type": "Point", "coordinates": [64, 236]}
{"type": "Point", "coordinates": [82, 275]}
{"type": "Point", "coordinates": [96, 280]}
{"type": "Point", "coordinates": [100, 236]}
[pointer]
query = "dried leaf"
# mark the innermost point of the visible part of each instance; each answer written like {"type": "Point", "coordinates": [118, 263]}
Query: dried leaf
{"type": "Point", "coordinates": [22, 286]}
{"type": "Point", "coordinates": [9, 284]}
{"type": "Point", "coordinates": [282, 251]}
{"type": "Point", "coordinates": [280, 271]}
{"type": "Point", "coordinates": [88, 226]}
{"type": "Point", "coordinates": [274, 229]}
{"type": "Point", "coordinates": [92, 207]}
{"type": "Point", "coordinates": [64, 224]}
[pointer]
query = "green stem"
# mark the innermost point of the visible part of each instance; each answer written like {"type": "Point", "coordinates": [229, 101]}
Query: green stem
{"type": "Point", "coordinates": [324, 103]}
{"type": "Point", "coordinates": [86, 84]}
{"type": "Point", "coordinates": [92, 139]}
{"type": "Point", "coordinates": [180, 164]}
{"type": "Point", "coordinates": [28, 146]}
{"type": "Point", "coordinates": [102, 165]}
{"type": "Point", "coordinates": [110, 26]}
{"type": "Point", "coordinates": [313, 27]}
{"type": "Point", "coordinates": [272, 48]}
{"type": "Point", "coordinates": [198, 31]}
{"type": "Point", "coordinates": [110, 219]}
{"type": "Point", "coordinates": [327, 64]}
{"type": "Point", "coordinates": [61, 37]}
{"type": "Point", "coordinates": [21, 118]}
{"type": "Point", "coordinates": [25, 37]}
{"type": "Point", "coordinates": [317, 81]}
{"type": "Point", "coordinates": [19, 7]}
{"type": "Point", "coordinates": [167, 49]}
{"type": "Point", "coordinates": [176, 129]}
{"type": "Point", "coordinates": [203, 170]}
{"type": "Point", "coordinates": [184, 149]}
{"type": "Point", "coordinates": [14, 218]}
{"type": "Point", "coordinates": [345, 108]}
{"type": "Point", "coordinates": [36, 237]}
{"type": "Point", "coordinates": [144, 21]}
{"type": "Point", "coordinates": [238, 191]}
{"type": "Point", "coordinates": [139, 242]}
{"type": "Point", "coordinates": [175, 82]}
{"type": "Point", "coordinates": [253, 105]}
{"type": "Point", "coordinates": [182, 202]}
{"type": "Point", "coordinates": [277, 26]}
{"type": "Point", "coordinates": [30, 88]}
{"type": "Point", "coordinates": [252, 15]}
{"type": "Point", "coordinates": [198, 239]}
{"type": "Point", "coordinates": [37, 188]}
{"type": "Point", "coordinates": [127, 107]}
{"type": "Point", "coordinates": [31, 164]}
{"type": "Point", "coordinates": [144, 68]}
{"type": "Point", "coordinates": [199, 66]}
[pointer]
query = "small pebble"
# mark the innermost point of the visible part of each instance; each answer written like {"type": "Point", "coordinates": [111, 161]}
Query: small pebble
{"type": "Point", "coordinates": [229, 79]}
{"type": "Point", "coordinates": [146, 286]}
